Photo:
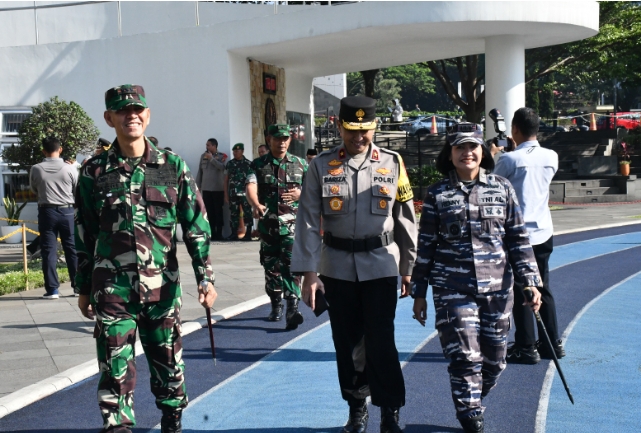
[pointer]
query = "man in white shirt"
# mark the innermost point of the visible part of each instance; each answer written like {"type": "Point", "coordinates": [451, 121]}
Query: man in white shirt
{"type": "Point", "coordinates": [530, 168]}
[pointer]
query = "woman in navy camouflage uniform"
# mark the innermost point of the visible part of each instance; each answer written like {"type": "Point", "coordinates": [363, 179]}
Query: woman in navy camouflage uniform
{"type": "Point", "coordinates": [472, 240]}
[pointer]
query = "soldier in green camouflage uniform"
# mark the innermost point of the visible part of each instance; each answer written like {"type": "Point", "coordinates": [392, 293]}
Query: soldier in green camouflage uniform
{"type": "Point", "coordinates": [237, 170]}
{"type": "Point", "coordinates": [128, 201]}
{"type": "Point", "coordinates": [273, 189]}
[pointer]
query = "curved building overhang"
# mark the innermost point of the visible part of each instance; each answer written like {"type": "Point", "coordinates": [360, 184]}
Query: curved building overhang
{"type": "Point", "coordinates": [371, 35]}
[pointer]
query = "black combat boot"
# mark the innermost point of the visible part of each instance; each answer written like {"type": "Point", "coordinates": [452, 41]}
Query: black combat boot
{"type": "Point", "coordinates": [389, 420]}
{"type": "Point", "coordinates": [293, 317]}
{"type": "Point", "coordinates": [277, 309]}
{"type": "Point", "coordinates": [248, 233]}
{"type": "Point", "coordinates": [473, 424]}
{"type": "Point", "coordinates": [170, 421]}
{"type": "Point", "coordinates": [358, 416]}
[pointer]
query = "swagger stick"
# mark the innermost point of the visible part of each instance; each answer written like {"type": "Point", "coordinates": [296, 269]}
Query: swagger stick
{"type": "Point", "coordinates": [528, 295]}
{"type": "Point", "coordinates": [205, 287]}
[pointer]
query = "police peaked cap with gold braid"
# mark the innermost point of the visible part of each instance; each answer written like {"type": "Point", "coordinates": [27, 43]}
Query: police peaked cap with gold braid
{"type": "Point", "coordinates": [358, 113]}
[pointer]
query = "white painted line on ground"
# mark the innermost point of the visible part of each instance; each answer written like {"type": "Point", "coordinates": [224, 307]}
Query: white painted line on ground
{"type": "Point", "coordinates": [542, 411]}
{"type": "Point", "coordinates": [32, 393]}
{"type": "Point", "coordinates": [604, 226]}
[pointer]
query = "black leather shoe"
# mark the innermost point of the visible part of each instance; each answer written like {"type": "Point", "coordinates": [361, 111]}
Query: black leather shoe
{"type": "Point", "coordinates": [293, 318]}
{"type": "Point", "coordinates": [277, 309]}
{"type": "Point", "coordinates": [389, 420]}
{"type": "Point", "coordinates": [473, 424]}
{"type": "Point", "coordinates": [358, 416]}
{"type": "Point", "coordinates": [232, 237]}
{"type": "Point", "coordinates": [517, 354]}
{"type": "Point", "coordinates": [170, 421]}
{"type": "Point", "coordinates": [545, 353]}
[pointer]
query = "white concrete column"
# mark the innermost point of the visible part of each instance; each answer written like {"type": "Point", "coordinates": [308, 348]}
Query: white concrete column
{"type": "Point", "coordinates": [504, 78]}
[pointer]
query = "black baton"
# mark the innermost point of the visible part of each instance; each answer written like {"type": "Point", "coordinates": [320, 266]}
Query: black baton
{"type": "Point", "coordinates": [529, 295]}
{"type": "Point", "coordinates": [205, 287]}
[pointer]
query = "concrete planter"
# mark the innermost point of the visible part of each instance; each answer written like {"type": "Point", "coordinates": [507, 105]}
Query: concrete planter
{"type": "Point", "coordinates": [13, 239]}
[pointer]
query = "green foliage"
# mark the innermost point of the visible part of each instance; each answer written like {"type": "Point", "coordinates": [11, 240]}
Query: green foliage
{"type": "Point", "coordinates": [532, 96]}
{"type": "Point", "coordinates": [12, 278]}
{"type": "Point", "coordinates": [423, 176]}
{"type": "Point", "coordinates": [13, 210]}
{"type": "Point", "coordinates": [546, 106]}
{"type": "Point", "coordinates": [66, 121]}
{"type": "Point", "coordinates": [588, 67]}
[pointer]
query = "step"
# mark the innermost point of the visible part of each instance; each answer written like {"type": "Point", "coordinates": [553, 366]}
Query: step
{"type": "Point", "coordinates": [578, 192]}
{"type": "Point", "coordinates": [588, 183]}
{"type": "Point", "coordinates": [608, 198]}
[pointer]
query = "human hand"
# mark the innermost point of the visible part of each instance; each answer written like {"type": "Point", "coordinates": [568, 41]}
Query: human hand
{"type": "Point", "coordinates": [420, 310]}
{"type": "Point", "coordinates": [405, 286]}
{"type": "Point", "coordinates": [291, 195]}
{"type": "Point", "coordinates": [226, 199]}
{"type": "Point", "coordinates": [84, 303]}
{"type": "Point", "coordinates": [311, 283]}
{"type": "Point", "coordinates": [494, 149]}
{"type": "Point", "coordinates": [532, 298]}
{"type": "Point", "coordinates": [258, 211]}
{"type": "Point", "coordinates": [207, 294]}
{"type": "Point", "coordinates": [207, 156]}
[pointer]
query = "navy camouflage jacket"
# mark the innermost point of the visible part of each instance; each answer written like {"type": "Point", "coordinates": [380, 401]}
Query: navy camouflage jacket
{"type": "Point", "coordinates": [472, 238]}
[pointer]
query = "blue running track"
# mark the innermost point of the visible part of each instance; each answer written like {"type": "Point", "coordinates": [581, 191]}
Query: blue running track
{"type": "Point", "coordinates": [268, 380]}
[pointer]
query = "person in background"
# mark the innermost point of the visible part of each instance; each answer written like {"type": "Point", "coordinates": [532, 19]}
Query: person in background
{"type": "Point", "coordinates": [530, 168]}
{"type": "Point", "coordinates": [211, 180]}
{"type": "Point", "coordinates": [273, 189]}
{"type": "Point", "coordinates": [311, 154]}
{"type": "Point", "coordinates": [262, 150]}
{"type": "Point", "coordinates": [237, 170]}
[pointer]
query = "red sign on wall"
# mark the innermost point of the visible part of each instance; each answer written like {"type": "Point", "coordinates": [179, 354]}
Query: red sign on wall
{"type": "Point", "coordinates": [269, 83]}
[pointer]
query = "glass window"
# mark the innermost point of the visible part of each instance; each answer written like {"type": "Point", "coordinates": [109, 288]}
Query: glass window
{"type": "Point", "coordinates": [11, 122]}
{"type": "Point", "coordinates": [301, 132]}
{"type": "Point", "coordinates": [16, 186]}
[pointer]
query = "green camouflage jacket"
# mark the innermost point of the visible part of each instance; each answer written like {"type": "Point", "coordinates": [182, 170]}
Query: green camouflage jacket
{"type": "Point", "coordinates": [274, 177]}
{"type": "Point", "coordinates": [126, 225]}
{"type": "Point", "coordinates": [237, 170]}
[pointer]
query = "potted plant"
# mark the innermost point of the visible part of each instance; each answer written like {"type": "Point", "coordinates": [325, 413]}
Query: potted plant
{"type": "Point", "coordinates": [624, 161]}
{"type": "Point", "coordinates": [12, 209]}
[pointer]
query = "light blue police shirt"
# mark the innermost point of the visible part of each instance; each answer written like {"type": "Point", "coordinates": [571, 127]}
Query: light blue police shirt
{"type": "Point", "coordinates": [530, 169]}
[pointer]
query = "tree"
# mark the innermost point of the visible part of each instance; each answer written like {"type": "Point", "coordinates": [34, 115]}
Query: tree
{"type": "Point", "coordinates": [384, 89]}
{"type": "Point", "coordinates": [471, 72]}
{"type": "Point", "coordinates": [66, 121]}
{"type": "Point", "coordinates": [415, 82]}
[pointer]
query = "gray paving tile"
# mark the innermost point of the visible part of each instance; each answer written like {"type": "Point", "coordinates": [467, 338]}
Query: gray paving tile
{"type": "Point", "coordinates": [13, 380]}
{"type": "Point", "coordinates": [15, 315]}
{"type": "Point", "coordinates": [65, 362]}
{"type": "Point", "coordinates": [19, 346]}
{"type": "Point", "coordinates": [58, 318]}
{"type": "Point", "coordinates": [25, 363]}
{"type": "Point", "coordinates": [87, 348]}
{"type": "Point", "coordinates": [24, 354]}
{"type": "Point", "coordinates": [69, 342]}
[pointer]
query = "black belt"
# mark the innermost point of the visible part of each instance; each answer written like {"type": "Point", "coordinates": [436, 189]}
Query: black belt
{"type": "Point", "coordinates": [358, 245]}
{"type": "Point", "coordinates": [56, 205]}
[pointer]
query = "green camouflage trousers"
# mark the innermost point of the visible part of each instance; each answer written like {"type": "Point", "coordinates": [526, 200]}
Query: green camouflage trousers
{"type": "Point", "coordinates": [115, 333]}
{"type": "Point", "coordinates": [276, 258]}
{"type": "Point", "coordinates": [235, 203]}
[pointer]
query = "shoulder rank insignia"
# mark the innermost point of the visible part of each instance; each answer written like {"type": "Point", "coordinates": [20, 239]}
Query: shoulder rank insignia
{"type": "Point", "coordinates": [336, 204]}
{"type": "Point", "coordinates": [375, 155]}
{"type": "Point", "coordinates": [334, 163]}
{"type": "Point", "coordinates": [335, 171]}
{"type": "Point", "coordinates": [342, 154]}
{"type": "Point", "coordinates": [382, 204]}
{"type": "Point", "coordinates": [383, 171]}
{"type": "Point", "coordinates": [384, 190]}
{"type": "Point", "coordinates": [334, 189]}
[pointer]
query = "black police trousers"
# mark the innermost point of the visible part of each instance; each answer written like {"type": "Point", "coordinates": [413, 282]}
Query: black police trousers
{"type": "Point", "coordinates": [523, 317]}
{"type": "Point", "coordinates": [362, 315]}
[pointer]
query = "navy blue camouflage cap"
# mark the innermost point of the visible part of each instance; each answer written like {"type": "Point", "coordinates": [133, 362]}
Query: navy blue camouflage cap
{"type": "Point", "coordinates": [465, 132]}
{"type": "Point", "coordinates": [119, 97]}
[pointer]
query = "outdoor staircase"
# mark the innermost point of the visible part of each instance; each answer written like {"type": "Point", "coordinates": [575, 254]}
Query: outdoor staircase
{"type": "Point", "coordinates": [587, 191]}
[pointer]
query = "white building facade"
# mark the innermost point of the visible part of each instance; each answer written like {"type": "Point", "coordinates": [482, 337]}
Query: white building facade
{"type": "Point", "coordinates": [204, 65]}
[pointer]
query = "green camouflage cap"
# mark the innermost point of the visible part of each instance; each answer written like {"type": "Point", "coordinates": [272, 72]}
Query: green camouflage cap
{"type": "Point", "coordinates": [238, 146]}
{"type": "Point", "coordinates": [278, 130]}
{"type": "Point", "coordinates": [128, 94]}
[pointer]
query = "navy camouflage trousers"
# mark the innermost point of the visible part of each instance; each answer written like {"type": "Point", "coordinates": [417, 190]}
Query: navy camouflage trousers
{"type": "Point", "coordinates": [473, 330]}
